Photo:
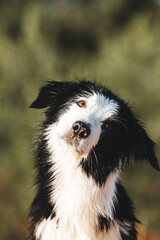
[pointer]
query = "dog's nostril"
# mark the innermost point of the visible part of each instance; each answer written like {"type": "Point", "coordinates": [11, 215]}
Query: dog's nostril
{"type": "Point", "coordinates": [76, 127]}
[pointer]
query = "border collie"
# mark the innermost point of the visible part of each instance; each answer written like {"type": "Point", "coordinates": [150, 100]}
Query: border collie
{"type": "Point", "coordinates": [87, 135]}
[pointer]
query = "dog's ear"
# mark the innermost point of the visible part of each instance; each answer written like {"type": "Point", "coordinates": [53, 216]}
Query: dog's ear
{"type": "Point", "coordinates": [142, 147]}
{"type": "Point", "coordinates": [47, 94]}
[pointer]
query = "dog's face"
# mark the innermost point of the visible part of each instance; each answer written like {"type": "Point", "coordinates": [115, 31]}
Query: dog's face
{"type": "Point", "coordinates": [95, 124]}
{"type": "Point", "coordinates": [83, 120]}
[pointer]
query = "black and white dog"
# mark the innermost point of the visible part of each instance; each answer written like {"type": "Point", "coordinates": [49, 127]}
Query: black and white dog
{"type": "Point", "coordinates": [87, 135]}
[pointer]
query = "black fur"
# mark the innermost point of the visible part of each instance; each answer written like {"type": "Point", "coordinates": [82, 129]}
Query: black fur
{"type": "Point", "coordinates": [123, 135]}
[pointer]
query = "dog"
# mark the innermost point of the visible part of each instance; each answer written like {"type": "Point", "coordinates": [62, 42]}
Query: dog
{"type": "Point", "coordinates": [87, 135]}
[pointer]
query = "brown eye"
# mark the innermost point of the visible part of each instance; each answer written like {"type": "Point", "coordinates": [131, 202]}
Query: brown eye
{"type": "Point", "coordinates": [81, 104]}
{"type": "Point", "coordinates": [110, 125]}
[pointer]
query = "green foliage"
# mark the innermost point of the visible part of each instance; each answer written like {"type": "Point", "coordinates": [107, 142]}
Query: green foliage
{"type": "Point", "coordinates": [104, 40]}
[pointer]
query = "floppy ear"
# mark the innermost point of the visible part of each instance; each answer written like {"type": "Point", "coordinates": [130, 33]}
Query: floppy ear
{"type": "Point", "coordinates": [48, 93]}
{"type": "Point", "coordinates": [143, 148]}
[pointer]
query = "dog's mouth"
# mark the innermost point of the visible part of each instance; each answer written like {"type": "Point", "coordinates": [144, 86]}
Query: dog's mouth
{"type": "Point", "coordinates": [76, 142]}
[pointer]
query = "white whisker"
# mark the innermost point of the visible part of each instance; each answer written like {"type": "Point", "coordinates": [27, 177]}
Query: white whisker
{"type": "Point", "coordinates": [95, 156]}
{"type": "Point", "coordinates": [120, 122]}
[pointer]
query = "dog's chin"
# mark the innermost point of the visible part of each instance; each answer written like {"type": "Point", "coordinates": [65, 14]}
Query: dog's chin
{"type": "Point", "coordinates": [75, 144]}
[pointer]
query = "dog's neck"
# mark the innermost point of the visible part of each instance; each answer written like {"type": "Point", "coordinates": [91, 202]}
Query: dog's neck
{"type": "Point", "coordinates": [76, 197]}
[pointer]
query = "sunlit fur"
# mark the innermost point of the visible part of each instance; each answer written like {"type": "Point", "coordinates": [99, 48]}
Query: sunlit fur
{"type": "Point", "coordinates": [79, 194]}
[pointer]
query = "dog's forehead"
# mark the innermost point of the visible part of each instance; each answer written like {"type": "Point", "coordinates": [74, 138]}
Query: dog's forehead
{"type": "Point", "coordinates": [98, 99]}
{"type": "Point", "coordinates": [98, 104]}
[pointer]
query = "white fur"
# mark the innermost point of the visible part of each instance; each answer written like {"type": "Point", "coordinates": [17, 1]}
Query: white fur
{"type": "Point", "coordinates": [98, 108]}
{"type": "Point", "coordinates": [125, 227]}
{"type": "Point", "coordinates": [78, 200]}
{"type": "Point", "coordinates": [46, 229]}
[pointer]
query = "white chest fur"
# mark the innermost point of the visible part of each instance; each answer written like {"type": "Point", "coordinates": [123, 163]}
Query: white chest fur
{"type": "Point", "coordinates": [78, 203]}
{"type": "Point", "coordinates": [47, 230]}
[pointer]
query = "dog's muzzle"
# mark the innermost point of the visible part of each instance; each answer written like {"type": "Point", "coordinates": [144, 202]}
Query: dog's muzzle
{"type": "Point", "coordinates": [81, 129]}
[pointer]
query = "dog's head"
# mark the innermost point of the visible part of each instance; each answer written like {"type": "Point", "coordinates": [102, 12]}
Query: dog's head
{"type": "Point", "coordinates": [91, 121]}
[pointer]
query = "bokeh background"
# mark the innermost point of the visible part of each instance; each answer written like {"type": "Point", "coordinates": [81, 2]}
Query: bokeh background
{"type": "Point", "coordinates": [115, 42]}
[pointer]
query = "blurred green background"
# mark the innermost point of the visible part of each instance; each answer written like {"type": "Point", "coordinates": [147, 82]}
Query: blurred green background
{"type": "Point", "coordinates": [115, 42]}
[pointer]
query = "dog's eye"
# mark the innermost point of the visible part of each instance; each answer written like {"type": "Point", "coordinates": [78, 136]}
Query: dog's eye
{"type": "Point", "coordinates": [107, 125]}
{"type": "Point", "coordinates": [110, 125]}
{"type": "Point", "coordinates": [81, 104]}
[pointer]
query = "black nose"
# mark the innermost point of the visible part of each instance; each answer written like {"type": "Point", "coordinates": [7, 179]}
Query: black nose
{"type": "Point", "coordinates": [81, 129]}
